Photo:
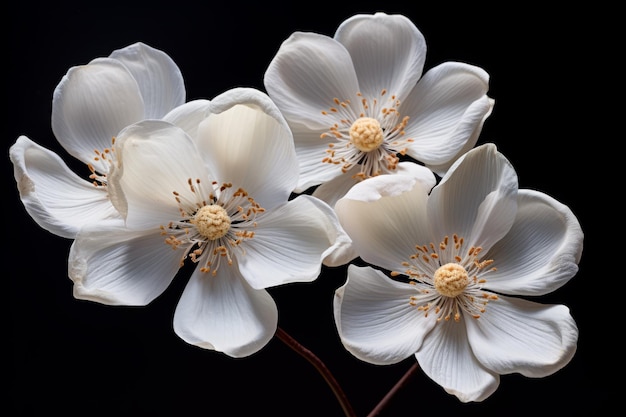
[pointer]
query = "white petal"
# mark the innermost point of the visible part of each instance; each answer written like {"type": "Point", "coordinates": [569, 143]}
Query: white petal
{"type": "Point", "coordinates": [374, 319]}
{"type": "Point", "coordinates": [245, 146]}
{"type": "Point", "coordinates": [56, 198]}
{"type": "Point", "coordinates": [311, 150]}
{"type": "Point", "coordinates": [308, 72]}
{"type": "Point", "coordinates": [156, 159]}
{"type": "Point", "coordinates": [289, 243]}
{"type": "Point", "coordinates": [388, 52]}
{"type": "Point", "coordinates": [90, 106]}
{"type": "Point", "coordinates": [189, 115]}
{"type": "Point", "coordinates": [477, 108]}
{"type": "Point", "coordinates": [516, 335]}
{"type": "Point", "coordinates": [225, 314]}
{"type": "Point", "coordinates": [446, 109]}
{"type": "Point", "coordinates": [541, 251]}
{"type": "Point", "coordinates": [447, 358]}
{"type": "Point", "coordinates": [159, 78]}
{"type": "Point", "coordinates": [385, 216]}
{"type": "Point", "coordinates": [476, 199]}
{"type": "Point", "coordinates": [116, 266]}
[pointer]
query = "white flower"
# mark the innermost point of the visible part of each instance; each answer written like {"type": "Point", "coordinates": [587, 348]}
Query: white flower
{"type": "Point", "coordinates": [90, 105]}
{"type": "Point", "coordinates": [220, 200]}
{"type": "Point", "coordinates": [358, 102]}
{"type": "Point", "coordinates": [461, 255]}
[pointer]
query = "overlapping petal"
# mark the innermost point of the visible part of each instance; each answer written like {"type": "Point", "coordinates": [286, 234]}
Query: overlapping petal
{"type": "Point", "coordinates": [517, 335]}
{"type": "Point", "coordinates": [226, 314]}
{"type": "Point", "coordinates": [54, 196]}
{"type": "Point", "coordinates": [115, 266]}
{"type": "Point", "coordinates": [374, 319]}
{"type": "Point", "coordinates": [447, 358]}
{"type": "Point", "coordinates": [541, 251]}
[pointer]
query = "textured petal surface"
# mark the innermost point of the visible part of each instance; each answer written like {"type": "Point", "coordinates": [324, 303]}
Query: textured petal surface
{"type": "Point", "coordinates": [375, 321]}
{"type": "Point", "coordinates": [516, 335]}
{"type": "Point", "coordinates": [388, 52]}
{"type": "Point", "coordinates": [90, 106]}
{"type": "Point", "coordinates": [476, 200]}
{"type": "Point", "coordinates": [116, 266]}
{"type": "Point", "coordinates": [289, 243]}
{"type": "Point", "coordinates": [445, 110]}
{"type": "Point", "coordinates": [251, 149]}
{"type": "Point", "coordinates": [541, 251]}
{"type": "Point", "coordinates": [307, 74]}
{"type": "Point", "coordinates": [56, 198]}
{"type": "Point", "coordinates": [385, 216]}
{"type": "Point", "coordinates": [225, 314]}
{"type": "Point", "coordinates": [156, 159]}
{"type": "Point", "coordinates": [447, 358]}
{"type": "Point", "coordinates": [159, 78]}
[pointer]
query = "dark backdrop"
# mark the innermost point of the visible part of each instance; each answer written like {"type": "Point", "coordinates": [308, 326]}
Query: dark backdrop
{"type": "Point", "coordinates": [69, 355]}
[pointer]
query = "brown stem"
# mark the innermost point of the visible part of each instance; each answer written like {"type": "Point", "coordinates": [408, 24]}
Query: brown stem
{"type": "Point", "coordinates": [402, 382]}
{"type": "Point", "coordinates": [322, 369]}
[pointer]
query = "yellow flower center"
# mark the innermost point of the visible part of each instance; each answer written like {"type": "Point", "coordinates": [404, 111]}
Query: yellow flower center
{"type": "Point", "coordinates": [451, 279]}
{"type": "Point", "coordinates": [366, 134]}
{"type": "Point", "coordinates": [212, 221]}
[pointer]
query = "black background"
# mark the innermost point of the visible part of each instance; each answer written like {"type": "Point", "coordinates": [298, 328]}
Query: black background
{"type": "Point", "coordinates": [67, 355]}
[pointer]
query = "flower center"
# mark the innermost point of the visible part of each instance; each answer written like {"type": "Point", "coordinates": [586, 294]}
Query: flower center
{"type": "Point", "coordinates": [366, 134]}
{"type": "Point", "coordinates": [450, 279]}
{"type": "Point", "coordinates": [212, 221]}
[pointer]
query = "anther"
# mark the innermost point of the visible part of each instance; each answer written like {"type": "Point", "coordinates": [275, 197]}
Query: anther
{"type": "Point", "coordinates": [366, 134]}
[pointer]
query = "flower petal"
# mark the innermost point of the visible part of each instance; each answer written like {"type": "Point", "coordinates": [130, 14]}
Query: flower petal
{"type": "Point", "coordinates": [159, 78]}
{"type": "Point", "coordinates": [476, 199]}
{"type": "Point", "coordinates": [289, 243]}
{"type": "Point", "coordinates": [307, 74]}
{"type": "Point", "coordinates": [156, 159]}
{"type": "Point", "coordinates": [541, 251]}
{"type": "Point", "coordinates": [388, 52]}
{"type": "Point", "coordinates": [56, 198]}
{"type": "Point", "coordinates": [90, 106]}
{"type": "Point", "coordinates": [115, 266]}
{"type": "Point", "coordinates": [446, 357]}
{"type": "Point", "coordinates": [225, 314]}
{"type": "Point", "coordinates": [385, 216]}
{"type": "Point", "coordinates": [374, 319]}
{"type": "Point", "coordinates": [516, 335]}
{"type": "Point", "coordinates": [250, 148]}
{"type": "Point", "coordinates": [445, 109]}
{"type": "Point", "coordinates": [189, 115]}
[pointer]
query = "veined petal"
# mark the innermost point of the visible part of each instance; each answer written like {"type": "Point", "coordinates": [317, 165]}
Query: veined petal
{"type": "Point", "coordinates": [374, 319]}
{"type": "Point", "coordinates": [541, 251]}
{"type": "Point", "coordinates": [445, 108]}
{"type": "Point", "coordinates": [56, 198]}
{"type": "Point", "coordinates": [116, 266]}
{"type": "Point", "coordinates": [156, 159]}
{"type": "Point", "coordinates": [462, 129]}
{"type": "Point", "coordinates": [476, 199]}
{"type": "Point", "coordinates": [385, 216]}
{"type": "Point", "coordinates": [225, 314]}
{"type": "Point", "coordinates": [307, 73]}
{"type": "Point", "coordinates": [446, 357]}
{"type": "Point", "coordinates": [311, 150]}
{"type": "Point", "coordinates": [245, 146]}
{"type": "Point", "coordinates": [189, 115]}
{"type": "Point", "coordinates": [289, 243]}
{"type": "Point", "coordinates": [388, 52]}
{"type": "Point", "coordinates": [159, 78]}
{"type": "Point", "coordinates": [90, 106]}
{"type": "Point", "coordinates": [516, 335]}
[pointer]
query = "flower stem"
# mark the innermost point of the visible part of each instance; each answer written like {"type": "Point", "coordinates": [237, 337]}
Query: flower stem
{"type": "Point", "coordinates": [402, 382]}
{"type": "Point", "coordinates": [321, 368]}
